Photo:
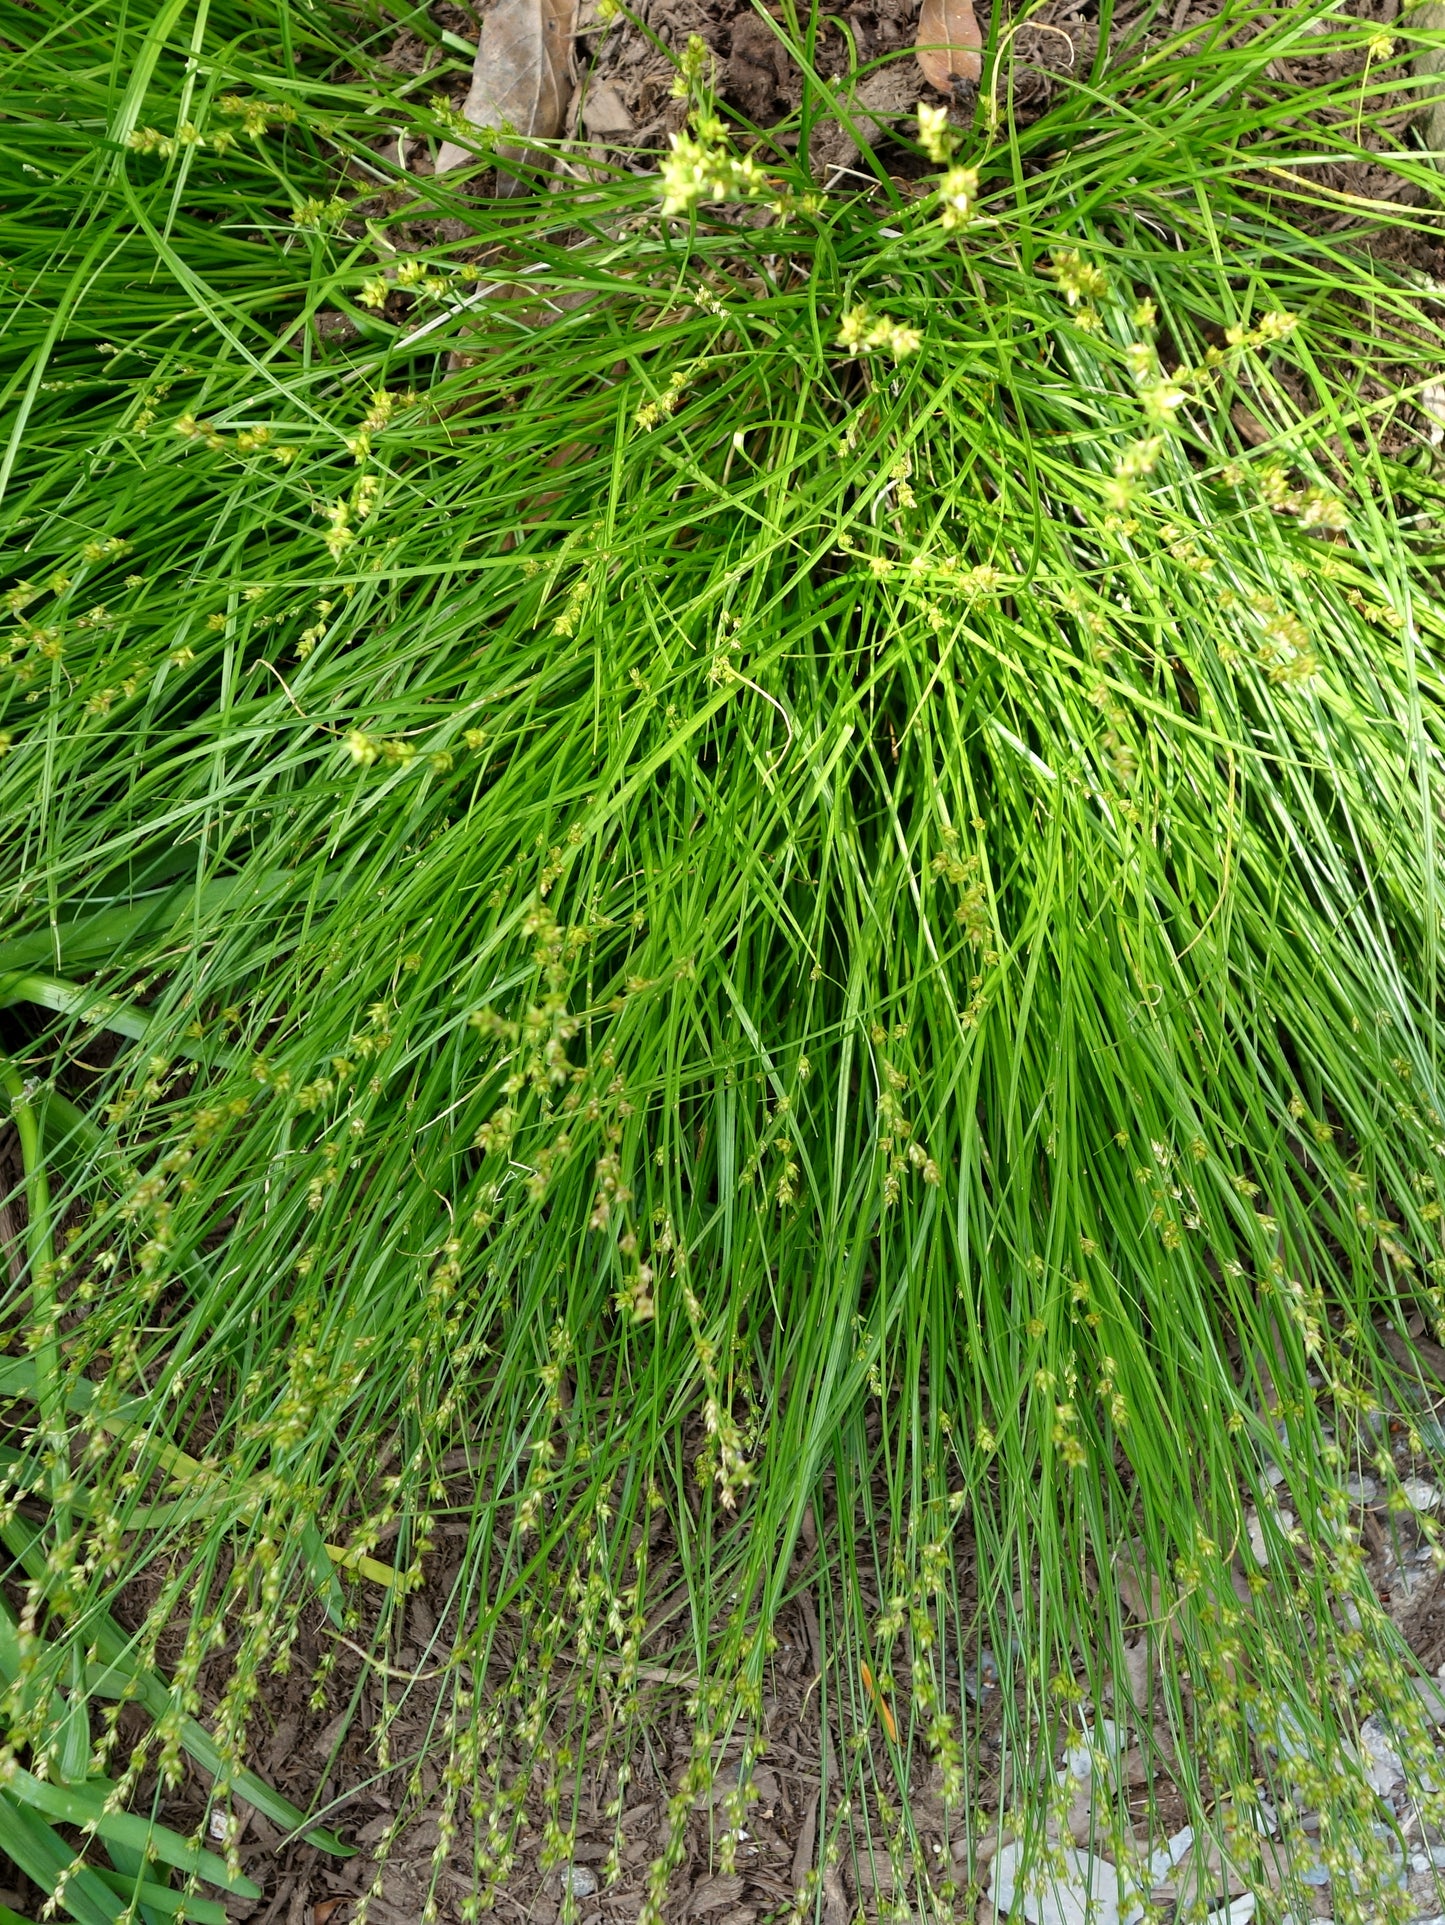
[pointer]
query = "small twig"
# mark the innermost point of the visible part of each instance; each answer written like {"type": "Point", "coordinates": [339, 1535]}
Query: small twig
{"type": "Point", "coordinates": [289, 696]}
{"type": "Point", "coordinates": [1043, 26]}
{"type": "Point", "coordinates": [390, 1670]}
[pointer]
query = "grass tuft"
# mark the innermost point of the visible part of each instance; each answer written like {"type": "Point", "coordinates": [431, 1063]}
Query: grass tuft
{"type": "Point", "coordinates": [740, 902]}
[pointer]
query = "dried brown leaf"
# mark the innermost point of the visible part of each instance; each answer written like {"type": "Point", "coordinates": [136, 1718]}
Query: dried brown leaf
{"type": "Point", "coordinates": [521, 77]}
{"type": "Point", "coordinates": [948, 43]}
{"type": "Point", "coordinates": [1139, 1589]}
{"type": "Point", "coordinates": [605, 114]}
{"type": "Point", "coordinates": [1082, 1821]}
{"type": "Point", "coordinates": [835, 1899]}
{"type": "Point", "coordinates": [807, 1838]}
{"type": "Point", "coordinates": [714, 1894]}
{"type": "Point", "coordinates": [1138, 1668]}
{"type": "Point", "coordinates": [1205, 1872]}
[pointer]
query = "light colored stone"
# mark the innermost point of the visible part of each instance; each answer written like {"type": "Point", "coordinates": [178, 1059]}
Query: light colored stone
{"type": "Point", "coordinates": [1086, 1892]}
{"type": "Point", "coordinates": [604, 113]}
{"type": "Point", "coordinates": [1379, 1757]}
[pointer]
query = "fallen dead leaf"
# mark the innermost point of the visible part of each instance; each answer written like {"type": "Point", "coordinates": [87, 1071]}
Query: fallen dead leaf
{"type": "Point", "coordinates": [714, 1894]}
{"type": "Point", "coordinates": [323, 1912]}
{"type": "Point", "coordinates": [1205, 1874]}
{"type": "Point", "coordinates": [1082, 1821]}
{"type": "Point", "coordinates": [520, 78]}
{"type": "Point", "coordinates": [1139, 1589]}
{"type": "Point", "coordinates": [1138, 1670]}
{"type": "Point", "coordinates": [1135, 1768]}
{"type": "Point", "coordinates": [605, 114]}
{"type": "Point", "coordinates": [875, 1874]}
{"type": "Point", "coordinates": [835, 1899]}
{"type": "Point", "coordinates": [948, 43]}
{"type": "Point", "coordinates": [984, 1848]}
{"type": "Point", "coordinates": [807, 1838]}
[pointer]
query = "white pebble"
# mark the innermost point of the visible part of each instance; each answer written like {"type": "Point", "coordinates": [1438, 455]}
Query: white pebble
{"type": "Point", "coordinates": [1080, 1890]}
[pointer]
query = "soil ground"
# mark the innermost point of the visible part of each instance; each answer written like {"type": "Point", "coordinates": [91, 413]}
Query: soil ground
{"type": "Point", "coordinates": [324, 1760]}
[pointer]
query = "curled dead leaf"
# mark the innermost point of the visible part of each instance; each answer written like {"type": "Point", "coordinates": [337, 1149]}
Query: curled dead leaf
{"type": "Point", "coordinates": [948, 43]}
{"type": "Point", "coordinates": [520, 79]}
{"type": "Point", "coordinates": [881, 1704]}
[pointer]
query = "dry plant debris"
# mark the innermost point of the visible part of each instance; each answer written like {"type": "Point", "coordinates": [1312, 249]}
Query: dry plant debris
{"type": "Point", "coordinates": [948, 44]}
{"type": "Point", "coordinates": [521, 80]}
